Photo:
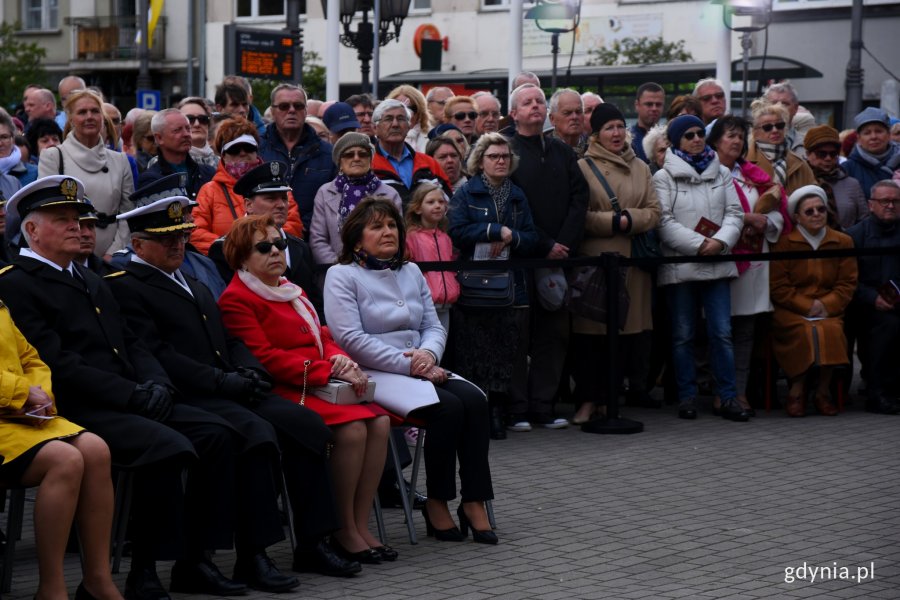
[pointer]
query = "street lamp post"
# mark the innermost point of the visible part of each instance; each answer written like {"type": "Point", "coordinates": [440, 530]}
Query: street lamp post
{"type": "Point", "coordinates": [392, 12]}
{"type": "Point", "coordinates": [761, 11]}
{"type": "Point", "coordinates": [556, 11]}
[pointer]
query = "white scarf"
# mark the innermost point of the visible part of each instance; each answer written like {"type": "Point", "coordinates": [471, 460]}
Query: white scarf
{"type": "Point", "coordinates": [287, 292]}
{"type": "Point", "coordinates": [13, 160]}
{"type": "Point", "coordinates": [814, 240]}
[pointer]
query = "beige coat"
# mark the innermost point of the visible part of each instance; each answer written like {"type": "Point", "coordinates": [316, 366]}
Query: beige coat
{"type": "Point", "coordinates": [798, 172]}
{"type": "Point", "coordinates": [629, 178]}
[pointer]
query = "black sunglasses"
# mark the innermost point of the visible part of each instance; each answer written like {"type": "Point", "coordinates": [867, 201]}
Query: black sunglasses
{"type": "Point", "coordinates": [471, 115]}
{"type": "Point", "coordinates": [770, 126]}
{"type": "Point", "coordinates": [691, 134]}
{"type": "Point", "coordinates": [266, 247]}
{"type": "Point", "coordinates": [815, 210]}
{"type": "Point", "coordinates": [202, 119]}
{"type": "Point", "coordinates": [286, 106]}
{"type": "Point", "coordinates": [238, 148]}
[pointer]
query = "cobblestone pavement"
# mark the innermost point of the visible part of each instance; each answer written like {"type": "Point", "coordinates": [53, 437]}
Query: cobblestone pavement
{"type": "Point", "coordinates": [686, 509]}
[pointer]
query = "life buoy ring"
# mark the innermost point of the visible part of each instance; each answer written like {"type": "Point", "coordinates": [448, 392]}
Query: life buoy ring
{"type": "Point", "coordinates": [424, 32]}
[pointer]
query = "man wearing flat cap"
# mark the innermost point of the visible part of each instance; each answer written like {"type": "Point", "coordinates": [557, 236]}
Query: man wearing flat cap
{"type": "Point", "coordinates": [179, 320]}
{"type": "Point", "coordinates": [265, 191]}
{"type": "Point", "coordinates": [107, 380]}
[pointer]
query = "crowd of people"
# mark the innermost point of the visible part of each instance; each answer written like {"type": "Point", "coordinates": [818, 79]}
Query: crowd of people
{"type": "Point", "coordinates": [180, 285]}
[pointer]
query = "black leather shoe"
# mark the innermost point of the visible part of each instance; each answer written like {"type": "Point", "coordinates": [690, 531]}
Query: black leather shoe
{"type": "Point", "coordinates": [203, 577]}
{"type": "Point", "coordinates": [733, 412]}
{"type": "Point", "coordinates": [260, 573]}
{"type": "Point", "coordinates": [387, 553]}
{"type": "Point", "coordinates": [443, 535]}
{"type": "Point", "coordinates": [479, 536]}
{"type": "Point", "coordinates": [144, 584]}
{"type": "Point", "coordinates": [322, 559]}
{"type": "Point", "coordinates": [687, 409]}
{"type": "Point", "coordinates": [390, 497]}
{"type": "Point", "coordinates": [365, 557]}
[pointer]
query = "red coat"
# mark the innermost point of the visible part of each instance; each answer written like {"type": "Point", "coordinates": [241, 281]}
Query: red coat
{"type": "Point", "coordinates": [424, 167]}
{"type": "Point", "coordinates": [213, 216]}
{"type": "Point", "coordinates": [282, 341]}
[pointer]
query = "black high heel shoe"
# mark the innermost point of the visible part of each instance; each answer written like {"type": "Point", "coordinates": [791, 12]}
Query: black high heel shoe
{"type": "Point", "coordinates": [481, 537]}
{"type": "Point", "coordinates": [369, 556]}
{"type": "Point", "coordinates": [386, 553]}
{"type": "Point", "coordinates": [81, 593]}
{"type": "Point", "coordinates": [444, 535]}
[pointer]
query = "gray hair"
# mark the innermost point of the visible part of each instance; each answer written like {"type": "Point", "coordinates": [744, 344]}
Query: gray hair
{"type": "Point", "coordinates": [704, 83]}
{"type": "Point", "coordinates": [482, 94]}
{"type": "Point", "coordinates": [554, 99]}
{"type": "Point", "coordinates": [784, 87]}
{"type": "Point", "coordinates": [587, 95]}
{"type": "Point", "coordinates": [476, 156]}
{"type": "Point", "coordinates": [430, 96]}
{"type": "Point", "coordinates": [158, 122]}
{"type": "Point", "coordinates": [652, 137]}
{"type": "Point", "coordinates": [884, 183]}
{"type": "Point", "coordinates": [386, 105]}
{"type": "Point", "coordinates": [286, 86]}
{"type": "Point", "coordinates": [35, 217]}
{"type": "Point", "coordinates": [526, 77]}
{"type": "Point", "coordinates": [514, 96]}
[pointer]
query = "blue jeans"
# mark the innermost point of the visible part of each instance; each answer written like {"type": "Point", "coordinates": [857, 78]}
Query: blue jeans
{"type": "Point", "coordinates": [715, 298]}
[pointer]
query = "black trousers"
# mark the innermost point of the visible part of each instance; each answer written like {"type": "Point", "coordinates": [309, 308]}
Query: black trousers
{"type": "Point", "coordinates": [457, 428]}
{"type": "Point", "coordinates": [879, 334]}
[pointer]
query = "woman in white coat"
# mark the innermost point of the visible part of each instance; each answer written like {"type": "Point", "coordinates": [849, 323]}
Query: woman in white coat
{"type": "Point", "coordinates": [106, 173]}
{"type": "Point", "coordinates": [701, 216]}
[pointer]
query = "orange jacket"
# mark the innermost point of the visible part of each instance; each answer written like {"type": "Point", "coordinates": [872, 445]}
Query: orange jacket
{"type": "Point", "coordinates": [213, 215]}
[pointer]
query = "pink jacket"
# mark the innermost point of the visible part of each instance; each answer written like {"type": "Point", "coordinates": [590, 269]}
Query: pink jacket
{"type": "Point", "coordinates": [427, 245]}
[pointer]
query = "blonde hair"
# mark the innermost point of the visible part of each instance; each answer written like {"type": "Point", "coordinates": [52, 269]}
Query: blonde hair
{"type": "Point", "coordinates": [761, 107]}
{"type": "Point", "coordinates": [412, 218]}
{"type": "Point", "coordinates": [422, 116]}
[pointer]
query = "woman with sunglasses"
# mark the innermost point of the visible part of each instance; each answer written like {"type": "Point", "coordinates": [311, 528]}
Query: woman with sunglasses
{"type": "Point", "coordinates": [769, 149]}
{"type": "Point", "coordinates": [280, 326]}
{"type": "Point", "coordinates": [237, 143]}
{"type": "Point", "coordinates": [198, 115]}
{"type": "Point", "coordinates": [810, 297]}
{"type": "Point", "coordinates": [701, 216]}
{"type": "Point", "coordinates": [846, 200]}
{"type": "Point", "coordinates": [462, 112]}
{"type": "Point", "coordinates": [335, 200]}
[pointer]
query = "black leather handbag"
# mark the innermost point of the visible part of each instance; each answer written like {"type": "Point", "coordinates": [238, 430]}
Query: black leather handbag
{"type": "Point", "coordinates": [486, 289]}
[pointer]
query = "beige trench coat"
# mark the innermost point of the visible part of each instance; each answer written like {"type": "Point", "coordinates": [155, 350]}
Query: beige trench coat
{"type": "Point", "coordinates": [629, 178]}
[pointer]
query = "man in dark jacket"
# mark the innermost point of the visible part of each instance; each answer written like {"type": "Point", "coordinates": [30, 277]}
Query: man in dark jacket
{"type": "Point", "coordinates": [173, 137]}
{"type": "Point", "coordinates": [107, 380]}
{"type": "Point", "coordinates": [875, 305]}
{"type": "Point", "coordinates": [296, 144]}
{"type": "Point", "coordinates": [558, 196]}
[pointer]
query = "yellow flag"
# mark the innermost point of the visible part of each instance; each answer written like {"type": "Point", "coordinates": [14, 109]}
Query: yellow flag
{"type": "Point", "coordinates": [156, 7]}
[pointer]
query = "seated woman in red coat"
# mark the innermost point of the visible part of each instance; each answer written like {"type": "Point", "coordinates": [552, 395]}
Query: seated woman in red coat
{"type": "Point", "coordinates": [279, 325]}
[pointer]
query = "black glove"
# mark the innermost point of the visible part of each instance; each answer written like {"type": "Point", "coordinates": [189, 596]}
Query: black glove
{"type": "Point", "coordinates": [262, 381]}
{"type": "Point", "coordinates": [241, 388]}
{"type": "Point", "coordinates": [151, 400]}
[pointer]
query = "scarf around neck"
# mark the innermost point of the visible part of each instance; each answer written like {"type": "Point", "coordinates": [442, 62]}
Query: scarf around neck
{"type": "Point", "coordinates": [887, 162]}
{"type": "Point", "coordinates": [353, 191]}
{"type": "Point", "coordinates": [287, 292]}
{"type": "Point", "coordinates": [814, 240]}
{"type": "Point", "coordinates": [367, 261]}
{"type": "Point", "coordinates": [11, 161]}
{"type": "Point", "coordinates": [499, 194]}
{"type": "Point", "coordinates": [698, 161]}
{"type": "Point", "coordinates": [239, 169]}
{"type": "Point", "coordinates": [777, 155]}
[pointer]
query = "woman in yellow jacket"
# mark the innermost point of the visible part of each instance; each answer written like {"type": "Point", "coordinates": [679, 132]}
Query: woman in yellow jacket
{"type": "Point", "coordinates": [70, 467]}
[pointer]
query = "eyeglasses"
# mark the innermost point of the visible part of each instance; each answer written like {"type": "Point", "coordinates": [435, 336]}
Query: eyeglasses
{"type": "Point", "coordinates": [363, 113]}
{"type": "Point", "coordinates": [202, 119]}
{"type": "Point", "coordinates": [266, 247]}
{"type": "Point", "coordinates": [5, 137]}
{"type": "Point", "coordinates": [815, 210]}
{"type": "Point", "coordinates": [168, 241]}
{"type": "Point", "coordinates": [356, 154]}
{"type": "Point", "coordinates": [708, 97]}
{"type": "Point", "coordinates": [238, 148]}
{"type": "Point", "coordinates": [489, 113]}
{"type": "Point", "coordinates": [691, 134]}
{"type": "Point", "coordinates": [885, 203]}
{"type": "Point", "coordinates": [768, 127]}
{"type": "Point", "coordinates": [471, 115]}
{"type": "Point", "coordinates": [286, 106]}
{"type": "Point", "coordinates": [498, 157]}
{"type": "Point", "coordinates": [391, 118]}
{"type": "Point", "coordinates": [825, 153]}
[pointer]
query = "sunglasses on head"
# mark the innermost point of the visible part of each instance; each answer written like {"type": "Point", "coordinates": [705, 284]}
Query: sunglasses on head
{"type": "Point", "coordinates": [471, 115]}
{"type": "Point", "coordinates": [780, 125]}
{"type": "Point", "coordinates": [708, 97]}
{"type": "Point", "coordinates": [825, 153]}
{"type": "Point", "coordinates": [689, 135]}
{"type": "Point", "coordinates": [814, 210]}
{"type": "Point", "coordinates": [238, 148]}
{"type": "Point", "coordinates": [202, 119]}
{"type": "Point", "coordinates": [286, 106]}
{"type": "Point", "coordinates": [266, 246]}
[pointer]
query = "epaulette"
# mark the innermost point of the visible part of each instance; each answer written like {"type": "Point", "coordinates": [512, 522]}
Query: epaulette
{"type": "Point", "coordinates": [116, 274]}
{"type": "Point", "coordinates": [6, 268]}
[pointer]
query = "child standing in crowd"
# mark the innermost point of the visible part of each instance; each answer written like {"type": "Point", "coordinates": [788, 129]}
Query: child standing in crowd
{"type": "Point", "coordinates": [427, 240]}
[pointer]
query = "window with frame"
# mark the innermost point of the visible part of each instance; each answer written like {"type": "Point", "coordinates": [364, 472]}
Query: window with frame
{"type": "Point", "coordinates": [40, 14]}
{"type": "Point", "coordinates": [501, 4]}
{"type": "Point", "coordinates": [264, 8]}
{"type": "Point", "coordinates": [421, 5]}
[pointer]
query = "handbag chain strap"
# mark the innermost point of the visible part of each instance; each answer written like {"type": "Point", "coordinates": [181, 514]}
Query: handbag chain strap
{"type": "Point", "coordinates": [306, 364]}
{"type": "Point", "coordinates": [612, 197]}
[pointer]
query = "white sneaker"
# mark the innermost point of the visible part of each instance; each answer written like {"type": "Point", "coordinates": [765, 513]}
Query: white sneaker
{"type": "Point", "coordinates": [520, 426]}
{"type": "Point", "coordinates": [556, 424]}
